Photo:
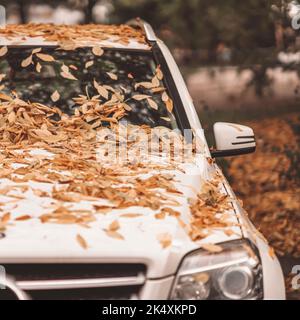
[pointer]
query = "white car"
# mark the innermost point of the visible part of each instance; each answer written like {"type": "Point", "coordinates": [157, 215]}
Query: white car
{"type": "Point", "coordinates": [141, 249]}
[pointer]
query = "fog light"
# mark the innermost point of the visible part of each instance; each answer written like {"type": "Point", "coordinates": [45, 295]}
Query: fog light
{"type": "Point", "coordinates": [235, 282]}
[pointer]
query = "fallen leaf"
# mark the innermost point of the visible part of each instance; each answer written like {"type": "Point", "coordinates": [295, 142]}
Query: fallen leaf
{"type": "Point", "coordinates": [26, 62]}
{"type": "Point", "coordinates": [97, 51]}
{"type": "Point", "coordinates": [213, 248]}
{"type": "Point", "coordinates": [3, 51]}
{"type": "Point", "coordinates": [272, 253]}
{"type": "Point", "coordinates": [36, 50]}
{"type": "Point", "coordinates": [114, 234]}
{"type": "Point", "coordinates": [81, 241]}
{"type": "Point", "coordinates": [114, 226]}
{"type": "Point", "coordinates": [140, 97]}
{"type": "Point", "coordinates": [38, 67]}
{"type": "Point", "coordinates": [165, 239]}
{"type": "Point", "coordinates": [23, 218]}
{"type": "Point", "coordinates": [152, 104]}
{"type": "Point", "coordinates": [101, 90]}
{"type": "Point", "coordinates": [112, 75]}
{"type": "Point", "coordinates": [55, 96]}
{"type": "Point", "coordinates": [68, 75]}
{"type": "Point", "coordinates": [89, 64]}
{"type": "Point", "coordinates": [45, 57]}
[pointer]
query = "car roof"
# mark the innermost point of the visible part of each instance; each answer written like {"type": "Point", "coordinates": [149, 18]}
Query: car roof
{"type": "Point", "coordinates": [72, 36]}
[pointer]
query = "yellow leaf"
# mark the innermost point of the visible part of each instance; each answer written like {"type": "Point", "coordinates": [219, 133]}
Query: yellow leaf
{"type": "Point", "coordinates": [68, 75]}
{"type": "Point", "coordinates": [3, 51]}
{"type": "Point", "coordinates": [159, 73]}
{"type": "Point", "coordinates": [23, 218]}
{"type": "Point", "coordinates": [97, 51]}
{"type": "Point", "coordinates": [152, 104]}
{"type": "Point", "coordinates": [38, 67]}
{"type": "Point", "coordinates": [55, 96]}
{"type": "Point", "coordinates": [12, 117]}
{"type": "Point", "coordinates": [165, 239]}
{"type": "Point", "coordinates": [101, 90]}
{"type": "Point", "coordinates": [140, 97]}
{"type": "Point", "coordinates": [36, 50]}
{"type": "Point", "coordinates": [26, 62]}
{"type": "Point", "coordinates": [114, 226]}
{"type": "Point", "coordinates": [114, 234]}
{"type": "Point", "coordinates": [112, 75]}
{"type": "Point", "coordinates": [81, 241]}
{"type": "Point", "coordinates": [89, 64]}
{"type": "Point", "coordinates": [213, 248]}
{"type": "Point", "coordinates": [45, 57]}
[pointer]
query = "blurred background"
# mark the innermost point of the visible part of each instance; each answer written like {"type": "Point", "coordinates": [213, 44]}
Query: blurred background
{"type": "Point", "coordinates": [241, 61]}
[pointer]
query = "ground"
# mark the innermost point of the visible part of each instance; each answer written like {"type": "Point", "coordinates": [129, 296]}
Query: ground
{"type": "Point", "coordinates": [268, 182]}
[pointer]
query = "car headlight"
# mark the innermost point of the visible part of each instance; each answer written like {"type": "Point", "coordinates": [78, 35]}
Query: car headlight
{"type": "Point", "coordinates": [234, 273]}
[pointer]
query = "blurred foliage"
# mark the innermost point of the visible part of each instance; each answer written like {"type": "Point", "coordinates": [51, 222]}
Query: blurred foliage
{"type": "Point", "coordinates": [202, 23]}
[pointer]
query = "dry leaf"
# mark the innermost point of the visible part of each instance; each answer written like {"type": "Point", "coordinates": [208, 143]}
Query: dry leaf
{"type": "Point", "coordinates": [89, 64]}
{"type": "Point", "coordinates": [152, 104]}
{"type": "Point", "coordinates": [38, 67]}
{"type": "Point", "coordinates": [272, 253]}
{"type": "Point", "coordinates": [5, 218]}
{"type": "Point", "coordinates": [159, 73]}
{"type": "Point", "coordinates": [140, 97]}
{"type": "Point", "coordinates": [26, 62]}
{"type": "Point", "coordinates": [36, 50]}
{"type": "Point", "coordinates": [55, 96]}
{"type": "Point", "coordinates": [45, 57]}
{"type": "Point", "coordinates": [81, 241]}
{"type": "Point", "coordinates": [97, 51]}
{"type": "Point", "coordinates": [112, 75]}
{"type": "Point", "coordinates": [3, 51]}
{"type": "Point", "coordinates": [101, 90]}
{"type": "Point", "coordinates": [68, 75]}
{"type": "Point", "coordinates": [114, 226]}
{"type": "Point", "coordinates": [23, 218]}
{"type": "Point", "coordinates": [114, 234]}
{"type": "Point", "coordinates": [213, 248]}
{"type": "Point", "coordinates": [165, 239]}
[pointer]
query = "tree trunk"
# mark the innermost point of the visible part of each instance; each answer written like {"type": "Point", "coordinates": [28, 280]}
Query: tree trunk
{"type": "Point", "coordinates": [22, 11]}
{"type": "Point", "coordinates": [89, 11]}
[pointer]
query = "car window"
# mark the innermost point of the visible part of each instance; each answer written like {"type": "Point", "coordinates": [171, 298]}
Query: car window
{"type": "Point", "coordinates": [57, 77]}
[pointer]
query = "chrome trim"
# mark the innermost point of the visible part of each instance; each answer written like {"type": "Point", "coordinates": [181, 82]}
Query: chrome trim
{"type": "Point", "coordinates": [147, 28]}
{"type": "Point", "coordinates": [10, 284]}
{"type": "Point", "coordinates": [150, 34]}
{"type": "Point", "coordinates": [81, 283]}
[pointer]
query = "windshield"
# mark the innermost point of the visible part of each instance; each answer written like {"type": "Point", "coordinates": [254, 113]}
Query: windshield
{"type": "Point", "coordinates": [70, 78]}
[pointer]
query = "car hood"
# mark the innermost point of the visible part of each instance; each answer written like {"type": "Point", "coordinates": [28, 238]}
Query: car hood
{"type": "Point", "coordinates": [33, 241]}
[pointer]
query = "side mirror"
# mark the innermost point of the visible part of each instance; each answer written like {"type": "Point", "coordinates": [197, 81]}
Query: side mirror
{"type": "Point", "coordinates": [232, 139]}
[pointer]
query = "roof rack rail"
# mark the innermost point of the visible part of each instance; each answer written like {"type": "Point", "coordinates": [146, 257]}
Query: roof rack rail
{"type": "Point", "coordinates": [145, 26]}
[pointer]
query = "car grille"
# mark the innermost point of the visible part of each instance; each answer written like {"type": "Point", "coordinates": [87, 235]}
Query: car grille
{"type": "Point", "coordinates": [77, 281]}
